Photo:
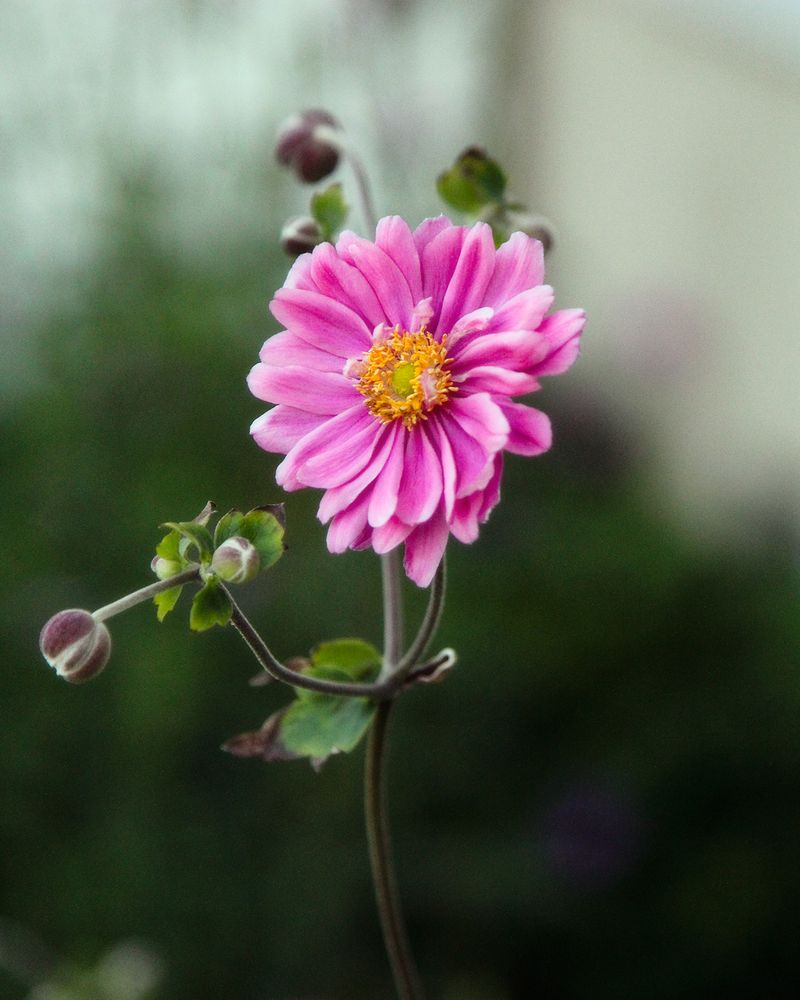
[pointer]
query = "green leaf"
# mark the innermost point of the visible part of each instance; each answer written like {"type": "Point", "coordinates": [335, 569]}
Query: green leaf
{"type": "Point", "coordinates": [227, 527]}
{"type": "Point", "coordinates": [356, 659]}
{"type": "Point", "coordinates": [321, 724]}
{"type": "Point", "coordinates": [211, 606]}
{"type": "Point", "coordinates": [474, 181]}
{"type": "Point", "coordinates": [329, 210]}
{"type": "Point", "coordinates": [195, 534]}
{"type": "Point", "coordinates": [169, 547]}
{"type": "Point", "coordinates": [264, 527]}
{"type": "Point", "coordinates": [166, 601]}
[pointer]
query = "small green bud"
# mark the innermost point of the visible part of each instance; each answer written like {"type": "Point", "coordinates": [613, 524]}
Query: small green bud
{"type": "Point", "coordinates": [236, 560]}
{"type": "Point", "coordinates": [165, 568]}
{"type": "Point", "coordinates": [75, 645]}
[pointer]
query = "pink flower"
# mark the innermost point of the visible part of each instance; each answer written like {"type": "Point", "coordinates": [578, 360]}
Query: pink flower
{"type": "Point", "coordinates": [395, 375]}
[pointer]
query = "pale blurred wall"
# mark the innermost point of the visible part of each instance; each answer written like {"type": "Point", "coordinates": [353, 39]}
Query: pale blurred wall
{"type": "Point", "coordinates": [663, 139]}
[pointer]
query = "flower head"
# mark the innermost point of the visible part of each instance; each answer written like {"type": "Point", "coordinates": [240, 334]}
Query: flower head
{"type": "Point", "coordinates": [395, 376]}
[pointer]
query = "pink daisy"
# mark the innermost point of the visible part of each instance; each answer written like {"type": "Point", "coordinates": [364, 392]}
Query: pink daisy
{"type": "Point", "coordinates": [395, 375]}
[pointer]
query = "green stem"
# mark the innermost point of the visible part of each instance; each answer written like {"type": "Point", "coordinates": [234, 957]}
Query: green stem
{"type": "Point", "coordinates": [380, 855]}
{"type": "Point", "coordinates": [392, 611]}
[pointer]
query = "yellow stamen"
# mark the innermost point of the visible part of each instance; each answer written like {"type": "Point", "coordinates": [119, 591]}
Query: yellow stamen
{"type": "Point", "coordinates": [405, 376]}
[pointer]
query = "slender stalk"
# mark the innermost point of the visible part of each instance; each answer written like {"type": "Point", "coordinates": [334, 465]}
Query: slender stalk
{"type": "Point", "coordinates": [380, 855]}
{"type": "Point", "coordinates": [280, 672]}
{"type": "Point", "coordinates": [430, 623]}
{"type": "Point", "coordinates": [392, 611]}
{"type": "Point", "coordinates": [131, 600]}
{"type": "Point", "coordinates": [368, 213]}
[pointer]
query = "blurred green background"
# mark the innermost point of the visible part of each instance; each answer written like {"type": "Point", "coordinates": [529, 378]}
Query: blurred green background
{"type": "Point", "coordinates": [602, 799]}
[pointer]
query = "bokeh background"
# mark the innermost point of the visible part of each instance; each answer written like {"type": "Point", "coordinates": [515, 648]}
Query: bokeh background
{"type": "Point", "coordinates": [602, 800]}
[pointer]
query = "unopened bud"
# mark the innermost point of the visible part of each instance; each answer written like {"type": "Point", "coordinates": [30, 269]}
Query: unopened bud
{"type": "Point", "coordinates": [307, 145]}
{"type": "Point", "coordinates": [300, 235]}
{"type": "Point", "coordinates": [165, 568]}
{"type": "Point", "coordinates": [75, 645]}
{"type": "Point", "coordinates": [236, 560]}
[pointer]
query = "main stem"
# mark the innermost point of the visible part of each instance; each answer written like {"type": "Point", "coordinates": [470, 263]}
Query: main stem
{"type": "Point", "coordinates": [395, 937]}
{"type": "Point", "coordinates": [381, 859]}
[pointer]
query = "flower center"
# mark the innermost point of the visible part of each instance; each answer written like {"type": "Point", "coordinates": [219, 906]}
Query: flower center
{"type": "Point", "coordinates": [405, 376]}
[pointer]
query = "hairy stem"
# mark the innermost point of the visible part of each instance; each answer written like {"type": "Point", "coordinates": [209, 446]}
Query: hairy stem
{"type": "Point", "coordinates": [380, 855]}
{"type": "Point", "coordinates": [145, 593]}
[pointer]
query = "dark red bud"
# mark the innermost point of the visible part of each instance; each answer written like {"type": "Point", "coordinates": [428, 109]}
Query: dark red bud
{"type": "Point", "coordinates": [307, 146]}
{"type": "Point", "coordinates": [75, 645]}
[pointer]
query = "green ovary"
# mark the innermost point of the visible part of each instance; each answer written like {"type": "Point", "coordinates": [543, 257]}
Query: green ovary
{"type": "Point", "coordinates": [402, 377]}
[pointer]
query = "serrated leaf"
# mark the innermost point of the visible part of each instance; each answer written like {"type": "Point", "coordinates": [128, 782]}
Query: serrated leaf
{"type": "Point", "coordinates": [320, 725]}
{"type": "Point", "coordinates": [166, 601]}
{"type": "Point", "coordinates": [211, 606]}
{"type": "Point", "coordinates": [195, 534]}
{"type": "Point", "coordinates": [329, 210]}
{"type": "Point", "coordinates": [227, 527]}
{"type": "Point", "coordinates": [474, 181]}
{"type": "Point", "coordinates": [264, 527]}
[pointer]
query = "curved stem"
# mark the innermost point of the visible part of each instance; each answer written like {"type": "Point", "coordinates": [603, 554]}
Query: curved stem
{"type": "Point", "coordinates": [380, 855]}
{"type": "Point", "coordinates": [430, 623]}
{"type": "Point", "coordinates": [144, 593]}
{"type": "Point", "coordinates": [280, 672]}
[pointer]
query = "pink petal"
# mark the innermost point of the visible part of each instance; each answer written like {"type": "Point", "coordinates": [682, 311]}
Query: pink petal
{"type": "Point", "coordinates": [424, 549]}
{"type": "Point", "coordinates": [346, 528]}
{"type": "Point", "coordinates": [519, 264]}
{"type": "Point", "coordinates": [342, 282]}
{"type": "Point", "coordinates": [321, 322]}
{"type": "Point", "coordinates": [448, 464]}
{"type": "Point", "coordinates": [421, 485]}
{"type": "Point", "coordinates": [531, 433]}
{"type": "Point", "coordinates": [387, 485]}
{"type": "Point", "coordinates": [428, 230]}
{"type": "Point", "coordinates": [439, 260]}
{"type": "Point", "coordinates": [396, 240]}
{"type": "Point", "coordinates": [299, 275]}
{"type": "Point", "coordinates": [342, 460]}
{"type": "Point", "coordinates": [470, 458]}
{"type": "Point", "coordinates": [280, 428]}
{"type": "Point", "coordinates": [302, 388]}
{"type": "Point", "coordinates": [481, 418]}
{"type": "Point", "coordinates": [328, 435]}
{"type": "Point", "coordinates": [524, 311]}
{"type": "Point", "coordinates": [470, 278]}
{"type": "Point", "coordinates": [286, 349]}
{"type": "Point", "coordinates": [563, 330]}
{"type": "Point", "coordinates": [388, 536]}
{"type": "Point", "coordinates": [499, 381]}
{"type": "Point", "coordinates": [516, 350]}
{"type": "Point", "coordinates": [491, 492]}
{"type": "Point", "coordinates": [387, 280]}
{"type": "Point", "coordinates": [464, 522]}
{"type": "Point", "coordinates": [337, 498]}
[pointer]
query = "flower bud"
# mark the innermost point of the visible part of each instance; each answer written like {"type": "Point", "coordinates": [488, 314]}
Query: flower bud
{"type": "Point", "coordinates": [236, 560]}
{"type": "Point", "coordinates": [307, 145]}
{"type": "Point", "coordinates": [300, 235]}
{"type": "Point", "coordinates": [75, 645]}
{"type": "Point", "coordinates": [165, 568]}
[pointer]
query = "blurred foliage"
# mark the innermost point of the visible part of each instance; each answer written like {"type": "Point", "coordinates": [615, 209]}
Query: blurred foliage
{"type": "Point", "coordinates": [601, 799]}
